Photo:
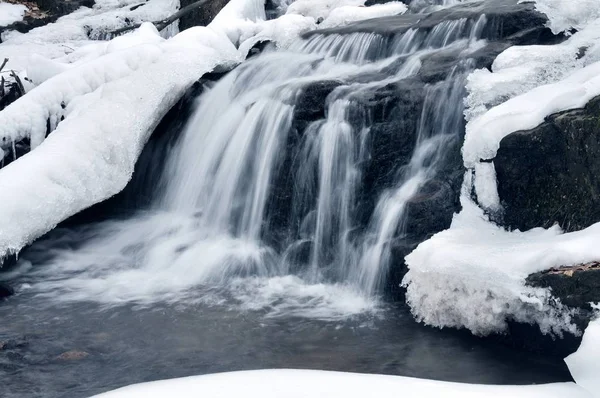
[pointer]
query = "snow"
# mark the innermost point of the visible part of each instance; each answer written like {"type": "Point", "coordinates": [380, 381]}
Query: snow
{"type": "Point", "coordinates": [59, 40]}
{"type": "Point", "coordinates": [567, 14]}
{"type": "Point", "coordinates": [522, 68]}
{"type": "Point", "coordinates": [288, 383]}
{"type": "Point", "coordinates": [28, 116]}
{"type": "Point", "coordinates": [301, 16]}
{"type": "Point", "coordinates": [10, 13]}
{"type": "Point", "coordinates": [330, 13]}
{"type": "Point", "coordinates": [583, 364]}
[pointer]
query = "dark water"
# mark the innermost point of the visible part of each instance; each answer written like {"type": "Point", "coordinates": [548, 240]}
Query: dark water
{"type": "Point", "coordinates": [127, 345]}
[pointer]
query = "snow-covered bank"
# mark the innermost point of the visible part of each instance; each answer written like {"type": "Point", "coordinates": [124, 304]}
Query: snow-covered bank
{"type": "Point", "coordinates": [314, 383]}
{"type": "Point", "coordinates": [61, 39]}
{"type": "Point", "coordinates": [473, 274]}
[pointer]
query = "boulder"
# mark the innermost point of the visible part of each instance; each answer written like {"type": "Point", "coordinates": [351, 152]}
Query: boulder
{"type": "Point", "coordinates": [551, 174]}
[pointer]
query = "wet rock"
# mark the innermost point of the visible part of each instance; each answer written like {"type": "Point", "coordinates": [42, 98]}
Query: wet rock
{"type": "Point", "coordinates": [72, 355]}
{"type": "Point", "coordinates": [551, 174]}
{"type": "Point", "coordinates": [576, 287]}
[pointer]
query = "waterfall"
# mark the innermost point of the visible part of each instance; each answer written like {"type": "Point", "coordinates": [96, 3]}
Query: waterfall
{"type": "Point", "coordinates": [253, 196]}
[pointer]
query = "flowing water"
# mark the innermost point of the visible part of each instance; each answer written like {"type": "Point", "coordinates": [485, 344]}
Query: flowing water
{"type": "Point", "coordinates": [256, 251]}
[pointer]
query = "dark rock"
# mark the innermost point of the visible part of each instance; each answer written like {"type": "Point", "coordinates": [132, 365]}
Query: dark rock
{"type": "Point", "coordinates": [551, 174]}
{"type": "Point", "coordinates": [576, 287]}
{"type": "Point", "coordinates": [203, 15]}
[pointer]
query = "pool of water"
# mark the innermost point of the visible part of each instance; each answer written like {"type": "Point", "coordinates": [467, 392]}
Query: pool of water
{"type": "Point", "coordinates": [76, 349]}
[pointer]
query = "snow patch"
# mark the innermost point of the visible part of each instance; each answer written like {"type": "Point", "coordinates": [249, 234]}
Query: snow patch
{"type": "Point", "coordinates": [85, 26]}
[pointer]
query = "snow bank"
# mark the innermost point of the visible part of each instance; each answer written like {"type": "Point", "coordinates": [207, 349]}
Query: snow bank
{"type": "Point", "coordinates": [314, 383]}
{"type": "Point", "coordinates": [112, 109]}
{"type": "Point", "coordinates": [584, 363]}
{"type": "Point", "coordinates": [10, 13]}
{"type": "Point", "coordinates": [29, 115]}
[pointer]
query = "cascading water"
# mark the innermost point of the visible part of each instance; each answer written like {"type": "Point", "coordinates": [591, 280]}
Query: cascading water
{"type": "Point", "coordinates": [267, 209]}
